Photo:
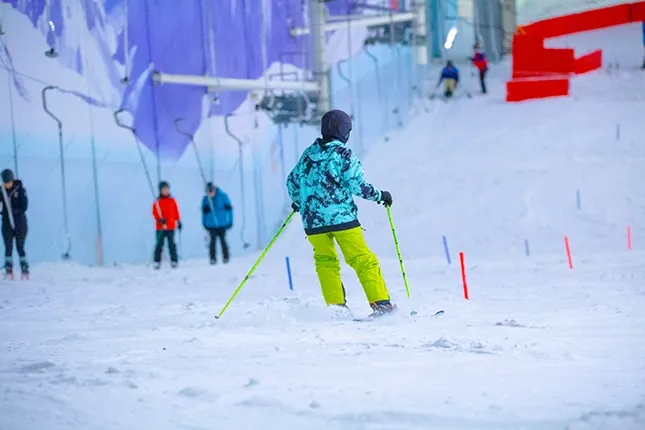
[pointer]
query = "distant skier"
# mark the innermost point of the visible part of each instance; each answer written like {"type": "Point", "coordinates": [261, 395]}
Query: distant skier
{"type": "Point", "coordinates": [166, 213]}
{"type": "Point", "coordinates": [13, 205]}
{"type": "Point", "coordinates": [322, 185]}
{"type": "Point", "coordinates": [450, 77]}
{"type": "Point", "coordinates": [479, 60]}
{"type": "Point", "coordinates": [644, 43]}
{"type": "Point", "coordinates": [217, 218]}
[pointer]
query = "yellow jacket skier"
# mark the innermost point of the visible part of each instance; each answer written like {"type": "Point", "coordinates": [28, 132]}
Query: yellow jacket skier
{"type": "Point", "coordinates": [322, 185]}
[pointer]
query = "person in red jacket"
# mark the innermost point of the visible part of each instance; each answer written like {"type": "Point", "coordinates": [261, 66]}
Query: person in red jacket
{"type": "Point", "coordinates": [479, 60]}
{"type": "Point", "coordinates": [166, 213]}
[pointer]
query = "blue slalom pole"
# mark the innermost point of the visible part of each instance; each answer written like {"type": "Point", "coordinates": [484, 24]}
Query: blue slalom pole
{"type": "Point", "coordinates": [289, 273]}
{"type": "Point", "coordinates": [578, 202]}
{"type": "Point", "coordinates": [617, 132]}
{"type": "Point", "coordinates": [445, 247]}
{"type": "Point", "coordinates": [526, 248]}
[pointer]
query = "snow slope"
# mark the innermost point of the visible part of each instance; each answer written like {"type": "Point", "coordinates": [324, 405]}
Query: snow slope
{"type": "Point", "coordinates": [538, 346]}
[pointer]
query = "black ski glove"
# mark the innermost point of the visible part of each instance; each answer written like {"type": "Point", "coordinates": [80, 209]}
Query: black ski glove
{"type": "Point", "coordinates": [228, 207]}
{"type": "Point", "coordinates": [206, 209]}
{"type": "Point", "coordinates": [295, 207]}
{"type": "Point", "coordinates": [179, 226]}
{"type": "Point", "coordinates": [162, 221]}
{"type": "Point", "coordinates": [386, 198]}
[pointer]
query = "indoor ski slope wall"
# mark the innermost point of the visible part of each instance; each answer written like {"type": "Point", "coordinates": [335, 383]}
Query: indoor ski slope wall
{"type": "Point", "coordinates": [107, 193]}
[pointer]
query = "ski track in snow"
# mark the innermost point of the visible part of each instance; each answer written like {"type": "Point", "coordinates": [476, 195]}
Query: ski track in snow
{"type": "Point", "coordinates": [538, 346]}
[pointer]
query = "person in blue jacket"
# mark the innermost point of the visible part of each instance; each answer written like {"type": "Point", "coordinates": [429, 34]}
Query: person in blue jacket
{"type": "Point", "coordinates": [449, 74]}
{"type": "Point", "coordinates": [217, 218]}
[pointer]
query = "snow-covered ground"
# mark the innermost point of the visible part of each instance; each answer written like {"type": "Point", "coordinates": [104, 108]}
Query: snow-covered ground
{"type": "Point", "coordinates": [538, 346]}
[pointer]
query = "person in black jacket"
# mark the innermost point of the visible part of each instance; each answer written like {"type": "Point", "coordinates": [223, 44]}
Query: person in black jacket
{"type": "Point", "coordinates": [14, 202]}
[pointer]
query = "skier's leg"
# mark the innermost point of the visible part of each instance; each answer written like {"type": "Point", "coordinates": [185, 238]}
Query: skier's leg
{"type": "Point", "coordinates": [21, 236]}
{"type": "Point", "coordinates": [328, 268]}
{"type": "Point", "coordinates": [358, 255]}
{"type": "Point", "coordinates": [161, 237]}
{"type": "Point", "coordinates": [172, 246]}
{"type": "Point", "coordinates": [7, 237]}
{"type": "Point", "coordinates": [482, 77]}
{"type": "Point", "coordinates": [212, 234]}
{"type": "Point", "coordinates": [222, 238]}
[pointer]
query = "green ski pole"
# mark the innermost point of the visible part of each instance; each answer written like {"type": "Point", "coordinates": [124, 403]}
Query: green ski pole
{"type": "Point", "coordinates": [398, 253]}
{"type": "Point", "coordinates": [255, 266]}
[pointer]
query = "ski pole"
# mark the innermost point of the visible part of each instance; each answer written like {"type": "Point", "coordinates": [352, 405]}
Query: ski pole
{"type": "Point", "coordinates": [398, 253]}
{"type": "Point", "coordinates": [255, 266]}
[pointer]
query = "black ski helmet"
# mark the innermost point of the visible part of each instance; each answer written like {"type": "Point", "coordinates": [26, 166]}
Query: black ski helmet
{"type": "Point", "coordinates": [209, 187]}
{"type": "Point", "coordinates": [7, 176]}
{"type": "Point", "coordinates": [163, 184]}
{"type": "Point", "coordinates": [337, 125]}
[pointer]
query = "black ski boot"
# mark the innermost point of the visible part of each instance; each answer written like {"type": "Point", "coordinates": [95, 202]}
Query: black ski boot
{"type": "Point", "coordinates": [24, 269]}
{"type": "Point", "coordinates": [8, 270]}
{"type": "Point", "coordinates": [381, 308]}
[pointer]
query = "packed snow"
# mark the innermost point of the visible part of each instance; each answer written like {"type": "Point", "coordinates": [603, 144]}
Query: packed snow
{"type": "Point", "coordinates": [539, 346]}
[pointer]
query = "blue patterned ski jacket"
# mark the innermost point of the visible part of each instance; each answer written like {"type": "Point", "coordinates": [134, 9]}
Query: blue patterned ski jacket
{"type": "Point", "coordinates": [322, 185]}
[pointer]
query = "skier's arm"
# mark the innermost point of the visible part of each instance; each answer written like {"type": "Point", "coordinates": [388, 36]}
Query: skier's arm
{"type": "Point", "coordinates": [353, 178]}
{"type": "Point", "coordinates": [156, 211]}
{"type": "Point", "coordinates": [227, 203]}
{"type": "Point", "coordinates": [177, 210]}
{"type": "Point", "coordinates": [293, 186]}
{"type": "Point", "coordinates": [23, 200]}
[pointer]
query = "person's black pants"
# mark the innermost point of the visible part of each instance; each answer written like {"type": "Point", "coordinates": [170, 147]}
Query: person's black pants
{"type": "Point", "coordinates": [19, 234]}
{"type": "Point", "coordinates": [482, 77]}
{"type": "Point", "coordinates": [162, 235]}
{"type": "Point", "coordinates": [216, 233]}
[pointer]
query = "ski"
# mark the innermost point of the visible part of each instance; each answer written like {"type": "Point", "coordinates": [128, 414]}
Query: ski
{"type": "Point", "coordinates": [369, 319]}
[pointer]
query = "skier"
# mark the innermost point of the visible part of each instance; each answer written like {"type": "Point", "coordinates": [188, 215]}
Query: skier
{"type": "Point", "coordinates": [217, 218]}
{"type": "Point", "coordinates": [644, 43]}
{"type": "Point", "coordinates": [166, 213]}
{"type": "Point", "coordinates": [13, 205]}
{"type": "Point", "coordinates": [451, 76]}
{"type": "Point", "coordinates": [479, 60]}
{"type": "Point", "coordinates": [321, 186]}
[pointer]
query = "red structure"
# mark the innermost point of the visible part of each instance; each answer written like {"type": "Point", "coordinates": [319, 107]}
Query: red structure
{"type": "Point", "coordinates": [540, 72]}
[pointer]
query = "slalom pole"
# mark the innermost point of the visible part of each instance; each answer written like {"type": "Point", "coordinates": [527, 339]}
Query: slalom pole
{"type": "Point", "coordinates": [398, 253]}
{"type": "Point", "coordinates": [255, 266]}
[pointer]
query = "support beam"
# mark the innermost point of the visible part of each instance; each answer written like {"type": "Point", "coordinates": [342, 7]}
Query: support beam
{"type": "Point", "coordinates": [421, 33]}
{"type": "Point", "coordinates": [364, 21]}
{"type": "Point", "coordinates": [231, 84]}
{"type": "Point", "coordinates": [317, 17]}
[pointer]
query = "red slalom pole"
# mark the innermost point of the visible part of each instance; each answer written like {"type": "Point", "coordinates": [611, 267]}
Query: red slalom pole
{"type": "Point", "coordinates": [629, 238]}
{"type": "Point", "coordinates": [463, 275]}
{"type": "Point", "coordinates": [566, 245]}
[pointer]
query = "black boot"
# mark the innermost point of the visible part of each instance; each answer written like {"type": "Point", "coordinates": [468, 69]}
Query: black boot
{"type": "Point", "coordinates": [24, 268]}
{"type": "Point", "coordinates": [8, 268]}
{"type": "Point", "coordinates": [381, 308]}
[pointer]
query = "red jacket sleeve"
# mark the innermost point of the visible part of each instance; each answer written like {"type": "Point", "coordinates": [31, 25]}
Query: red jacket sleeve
{"type": "Point", "coordinates": [155, 212]}
{"type": "Point", "coordinates": [176, 210]}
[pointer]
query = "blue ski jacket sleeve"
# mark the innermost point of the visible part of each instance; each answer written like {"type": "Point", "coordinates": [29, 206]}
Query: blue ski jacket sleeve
{"type": "Point", "coordinates": [643, 33]}
{"type": "Point", "coordinates": [217, 212]}
{"type": "Point", "coordinates": [322, 185]}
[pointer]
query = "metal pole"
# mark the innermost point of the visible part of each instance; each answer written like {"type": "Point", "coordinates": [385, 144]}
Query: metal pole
{"type": "Point", "coordinates": [243, 193]}
{"type": "Point", "coordinates": [61, 150]}
{"type": "Point", "coordinates": [13, 125]}
{"type": "Point", "coordinates": [321, 71]}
